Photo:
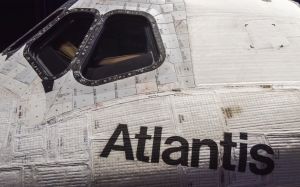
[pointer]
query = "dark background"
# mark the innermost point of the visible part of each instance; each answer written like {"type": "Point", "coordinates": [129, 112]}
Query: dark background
{"type": "Point", "coordinates": [18, 16]}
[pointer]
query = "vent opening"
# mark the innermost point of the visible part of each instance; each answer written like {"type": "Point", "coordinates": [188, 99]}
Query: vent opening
{"type": "Point", "coordinates": [126, 43]}
{"type": "Point", "coordinates": [55, 49]}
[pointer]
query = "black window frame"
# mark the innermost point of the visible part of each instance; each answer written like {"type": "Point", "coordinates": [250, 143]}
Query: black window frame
{"type": "Point", "coordinates": [82, 59]}
{"type": "Point", "coordinates": [41, 70]}
{"type": "Point", "coordinates": [88, 44]}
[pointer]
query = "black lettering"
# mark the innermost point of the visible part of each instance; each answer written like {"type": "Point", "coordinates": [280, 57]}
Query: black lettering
{"type": "Point", "coordinates": [142, 137]}
{"type": "Point", "coordinates": [156, 145]}
{"type": "Point", "coordinates": [127, 148]}
{"type": "Point", "coordinates": [184, 149]}
{"type": "Point", "coordinates": [228, 144]}
{"type": "Point", "coordinates": [213, 162]}
{"type": "Point", "coordinates": [243, 153]}
{"type": "Point", "coordinates": [266, 160]}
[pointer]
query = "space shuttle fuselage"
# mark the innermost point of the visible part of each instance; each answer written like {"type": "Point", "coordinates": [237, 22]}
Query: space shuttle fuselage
{"type": "Point", "coordinates": [154, 93]}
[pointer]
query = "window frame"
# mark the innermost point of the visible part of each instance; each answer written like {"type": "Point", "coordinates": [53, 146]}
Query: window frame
{"type": "Point", "coordinates": [39, 68]}
{"type": "Point", "coordinates": [81, 60]}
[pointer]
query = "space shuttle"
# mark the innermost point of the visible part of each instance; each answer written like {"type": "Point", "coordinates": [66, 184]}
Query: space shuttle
{"type": "Point", "coordinates": [162, 93]}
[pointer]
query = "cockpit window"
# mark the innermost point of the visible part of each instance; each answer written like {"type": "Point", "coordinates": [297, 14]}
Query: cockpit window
{"type": "Point", "coordinates": [56, 48]}
{"type": "Point", "coordinates": [21, 41]}
{"type": "Point", "coordinates": [126, 43]}
{"type": "Point", "coordinates": [102, 48]}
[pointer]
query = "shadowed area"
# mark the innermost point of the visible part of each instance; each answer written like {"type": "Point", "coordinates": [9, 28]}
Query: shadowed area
{"type": "Point", "coordinates": [18, 17]}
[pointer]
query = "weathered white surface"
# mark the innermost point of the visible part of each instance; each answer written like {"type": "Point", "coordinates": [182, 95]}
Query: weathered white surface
{"type": "Point", "coordinates": [225, 71]}
{"type": "Point", "coordinates": [70, 141]}
{"type": "Point", "coordinates": [244, 41]}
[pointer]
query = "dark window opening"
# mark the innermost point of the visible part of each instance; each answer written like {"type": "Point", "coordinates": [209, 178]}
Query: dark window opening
{"type": "Point", "coordinates": [55, 49]}
{"type": "Point", "coordinates": [126, 43]}
{"type": "Point", "coordinates": [21, 41]}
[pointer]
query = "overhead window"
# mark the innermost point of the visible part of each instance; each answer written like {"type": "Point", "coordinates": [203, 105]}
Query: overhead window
{"type": "Point", "coordinates": [127, 43]}
{"type": "Point", "coordinates": [56, 48]}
